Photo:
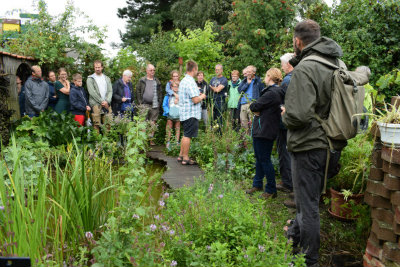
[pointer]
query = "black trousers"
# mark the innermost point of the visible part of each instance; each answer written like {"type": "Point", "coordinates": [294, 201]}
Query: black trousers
{"type": "Point", "coordinates": [285, 168]}
{"type": "Point", "coordinates": [308, 173]}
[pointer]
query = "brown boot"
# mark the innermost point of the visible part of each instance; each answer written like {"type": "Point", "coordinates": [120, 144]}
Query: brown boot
{"type": "Point", "coordinates": [253, 190]}
{"type": "Point", "coordinates": [289, 203]}
{"type": "Point", "coordinates": [266, 195]}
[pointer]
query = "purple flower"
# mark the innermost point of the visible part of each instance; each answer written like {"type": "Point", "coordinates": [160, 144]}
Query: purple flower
{"type": "Point", "coordinates": [161, 203]}
{"type": "Point", "coordinates": [162, 244]}
{"type": "Point", "coordinates": [261, 248]}
{"type": "Point", "coordinates": [246, 256]}
{"type": "Point", "coordinates": [166, 195]}
{"type": "Point", "coordinates": [221, 196]}
{"type": "Point", "coordinates": [135, 216]}
{"type": "Point", "coordinates": [173, 263]}
{"type": "Point", "coordinates": [164, 228]}
{"type": "Point", "coordinates": [1, 207]}
{"type": "Point", "coordinates": [157, 217]}
{"type": "Point", "coordinates": [208, 247]}
{"type": "Point", "coordinates": [153, 227]}
{"type": "Point", "coordinates": [210, 189]}
{"type": "Point", "coordinates": [172, 232]}
{"type": "Point", "coordinates": [89, 235]}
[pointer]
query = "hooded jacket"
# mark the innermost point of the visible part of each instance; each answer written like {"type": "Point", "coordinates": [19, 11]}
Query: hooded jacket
{"type": "Point", "coordinates": [141, 86]}
{"type": "Point", "coordinates": [268, 104]}
{"type": "Point", "coordinates": [309, 93]}
{"type": "Point", "coordinates": [94, 93]}
{"type": "Point", "coordinates": [36, 96]}
{"type": "Point", "coordinates": [78, 100]}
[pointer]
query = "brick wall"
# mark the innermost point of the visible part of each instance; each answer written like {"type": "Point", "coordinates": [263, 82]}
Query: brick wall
{"type": "Point", "coordinates": [383, 195]}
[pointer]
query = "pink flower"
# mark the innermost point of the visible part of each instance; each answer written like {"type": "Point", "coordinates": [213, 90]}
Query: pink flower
{"type": "Point", "coordinates": [153, 227]}
{"type": "Point", "coordinates": [88, 235]}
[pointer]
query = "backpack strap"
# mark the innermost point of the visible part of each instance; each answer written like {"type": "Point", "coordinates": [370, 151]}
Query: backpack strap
{"type": "Point", "coordinates": [322, 61]}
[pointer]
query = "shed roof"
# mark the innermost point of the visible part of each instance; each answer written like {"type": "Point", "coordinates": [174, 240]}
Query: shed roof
{"type": "Point", "coordinates": [16, 56]}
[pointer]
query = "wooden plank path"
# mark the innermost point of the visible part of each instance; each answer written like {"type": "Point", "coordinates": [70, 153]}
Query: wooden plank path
{"type": "Point", "coordinates": [176, 175]}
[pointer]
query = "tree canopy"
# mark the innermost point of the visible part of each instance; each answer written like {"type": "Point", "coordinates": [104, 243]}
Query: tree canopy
{"type": "Point", "coordinates": [144, 17]}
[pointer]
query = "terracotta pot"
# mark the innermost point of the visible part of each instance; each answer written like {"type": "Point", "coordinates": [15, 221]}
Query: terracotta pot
{"type": "Point", "coordinates": [339, 209]}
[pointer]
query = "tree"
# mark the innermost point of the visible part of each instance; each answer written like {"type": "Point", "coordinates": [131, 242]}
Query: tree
{"type": "Point", "coordinates": [49, 38]}
{"type": "Point", "coordinates": [368, 32]}
{"type": "Point", "coordinates": [258, 32]}
{"type": "Point", "coordinates": [144, 17]}
{"type": "Point", "coordinates": [193, 14]}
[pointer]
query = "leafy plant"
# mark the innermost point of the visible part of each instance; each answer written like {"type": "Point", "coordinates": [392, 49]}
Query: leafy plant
{"type": "Point", "coordinates": [355, 161]}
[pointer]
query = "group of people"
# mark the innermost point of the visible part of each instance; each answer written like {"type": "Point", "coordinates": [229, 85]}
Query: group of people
{"type": "Point", "coordinates": [284, 109]}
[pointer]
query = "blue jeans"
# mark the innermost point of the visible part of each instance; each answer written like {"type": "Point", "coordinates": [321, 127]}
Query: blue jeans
{"type": "Point", "coordinates": [264, 167]}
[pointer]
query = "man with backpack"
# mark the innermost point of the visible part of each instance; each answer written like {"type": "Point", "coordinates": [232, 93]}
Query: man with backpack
{"type": "Point", "coordinates": [308, 99]}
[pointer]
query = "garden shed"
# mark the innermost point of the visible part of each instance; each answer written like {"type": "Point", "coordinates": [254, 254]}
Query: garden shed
{"type": "Point", "coordinates": [12, 65]}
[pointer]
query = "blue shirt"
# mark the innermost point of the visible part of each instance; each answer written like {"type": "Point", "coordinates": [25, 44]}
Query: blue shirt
{"type": "Point", "coordinates": [215, 82]}
{"type": "Point", "coordinates": [248, 95]}
{"type": "Point", "coordinates": [187, 90]}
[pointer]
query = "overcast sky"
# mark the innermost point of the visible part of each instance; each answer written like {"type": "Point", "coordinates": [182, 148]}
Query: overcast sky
{"type": "Point", "coordinates": [103, 13]}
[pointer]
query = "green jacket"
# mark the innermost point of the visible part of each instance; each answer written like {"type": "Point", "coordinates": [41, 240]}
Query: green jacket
{"type": "Point", "coordinates": [234, 95]}
{"type": "Point", "coordinates": [309, 92]}
{"type": "Point", "coordinates": [94, 93]}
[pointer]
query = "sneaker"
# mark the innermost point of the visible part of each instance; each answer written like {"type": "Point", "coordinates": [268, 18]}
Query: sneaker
{"type": "Point", "coordinates": [289, 203]}
{"type": "Point", "coordinates": [266, 195]}
{"type": "Point", "coordinates": [253, 190]}
{"type": "Point", "coordinates": [281, 187]}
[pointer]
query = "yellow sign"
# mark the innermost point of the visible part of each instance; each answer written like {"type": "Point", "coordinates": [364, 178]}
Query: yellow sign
{"type": "Point", "coordinates": [11, 27]}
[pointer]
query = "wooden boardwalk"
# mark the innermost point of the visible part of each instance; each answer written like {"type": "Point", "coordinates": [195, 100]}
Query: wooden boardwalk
{"type": "Point", "coordinates": [176, 175]}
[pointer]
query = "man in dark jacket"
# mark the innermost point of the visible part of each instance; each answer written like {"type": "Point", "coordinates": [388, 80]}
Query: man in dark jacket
{"type": "Point", "coordinates": [286, 184]}
{"type": "Point", "coordinates": [308, 94]}
{"type": "Point", "coordinates": [250, 88]}
{"type": "Point", "coordinates": [36, 93]}
{"type": "Point", "coordinates": [122, 99]}
{"type": "Point", "coordinates": [149, 96]}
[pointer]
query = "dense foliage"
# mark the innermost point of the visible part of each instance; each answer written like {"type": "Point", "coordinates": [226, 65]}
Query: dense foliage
{"type": "Point", "coordinates": [258, 33]}
{"type": "Point", "coordinates": [194, 14]}
{"type": "Point", "coordinates": [144, 17]}
{"type": "Point", "coordinates": [369, 36]}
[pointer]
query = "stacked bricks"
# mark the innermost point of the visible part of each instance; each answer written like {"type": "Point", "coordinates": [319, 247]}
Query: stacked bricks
{"type": "Point", "coordinates": [383, 195]}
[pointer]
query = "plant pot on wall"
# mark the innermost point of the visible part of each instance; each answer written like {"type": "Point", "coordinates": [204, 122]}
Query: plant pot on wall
{"type": "Point", "coordinates": [342, 209]}
{"type": "Point", "coordinates": [390, 134]}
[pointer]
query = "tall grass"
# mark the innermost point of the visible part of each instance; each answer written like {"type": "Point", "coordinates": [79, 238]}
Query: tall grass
{"type": "Point", "coordinates": [48, 221]}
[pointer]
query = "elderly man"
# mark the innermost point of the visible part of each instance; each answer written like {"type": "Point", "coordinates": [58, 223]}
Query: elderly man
{"type": "Point", "coordinates": [149, 96]}
{"type": "Point", "coordinates": [100, 95]}
{"type": "Point", "coordinates": [218, 86]}
{"type": "Point", "coordinates": [284, 157]}
{"type": "Point", "coordinates": [250, 88]}
{"type": "Point", "coordinates": [36, 93]}
{"type": "Point", "coordinates": [122, 99]}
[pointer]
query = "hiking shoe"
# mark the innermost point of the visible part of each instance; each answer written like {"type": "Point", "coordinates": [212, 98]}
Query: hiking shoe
{"type": "Point", "coordinates": [281, 187]}
{"type": "Point", "coordinates": [266, 195]}
{"type": "Point", "coordinates": [253, 190]}
{"type": "Point", "coordinates": [289, 203]}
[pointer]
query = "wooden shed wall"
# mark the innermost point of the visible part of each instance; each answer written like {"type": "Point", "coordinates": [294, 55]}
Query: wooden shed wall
{"type": "Point", "coordinates": [10, 65]}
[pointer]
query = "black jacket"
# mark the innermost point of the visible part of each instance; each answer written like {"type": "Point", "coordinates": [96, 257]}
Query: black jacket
{"type": "Point", "coordinates": [141, 86]}
{"type": "Point", "coordinates": [118, 94]}
{"type": "Point", "coordinates": [268, 104]}
{"type": "Point", "coordinates": [78, 100]}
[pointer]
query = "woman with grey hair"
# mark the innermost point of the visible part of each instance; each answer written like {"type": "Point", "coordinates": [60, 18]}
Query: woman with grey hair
{"type": "Point", "coordinates": [122, 99]}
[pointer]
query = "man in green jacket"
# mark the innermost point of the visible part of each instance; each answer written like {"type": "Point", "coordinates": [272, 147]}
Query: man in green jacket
{"type": "Point", "coordinates": [100, 94]}
{"type": "Point", "coordinates": [308, 94]}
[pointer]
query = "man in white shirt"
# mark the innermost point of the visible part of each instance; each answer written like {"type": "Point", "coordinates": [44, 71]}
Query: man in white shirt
{"type": "Point", "coordinates": [100, 94]}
